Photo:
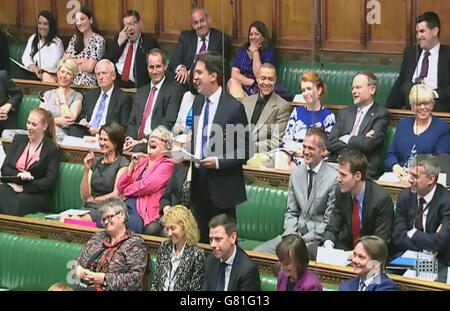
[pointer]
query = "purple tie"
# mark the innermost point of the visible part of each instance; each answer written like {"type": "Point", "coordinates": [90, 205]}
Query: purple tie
{"type": "Point", "coordinates": [424, 70]}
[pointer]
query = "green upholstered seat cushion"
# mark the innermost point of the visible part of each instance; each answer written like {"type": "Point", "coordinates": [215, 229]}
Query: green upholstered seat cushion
{"type": "Point", "coordinates": [28, 103]}
{"type": "Point", "coordinates": [34, 264]}
{"type": "Point", "coordinates": [337, 78]}
{"type": "Point", "coordinates": [249, 244]}
{"type": "Point", "coordinates": [261, 217]}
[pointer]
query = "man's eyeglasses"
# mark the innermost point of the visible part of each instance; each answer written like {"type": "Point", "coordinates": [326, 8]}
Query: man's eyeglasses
{"type": "Point", "coordinates": [109, 217]}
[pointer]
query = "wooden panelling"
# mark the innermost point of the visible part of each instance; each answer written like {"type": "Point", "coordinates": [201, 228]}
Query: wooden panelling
{"type": "Point", "coordinates": [148, 10]}
{"type": "Point", "coordinates": [65, 15]}
{"type": "Point", "coordinates": [9, 12]}
{"type": "Point", "coordinates": [294, 23]}
{"type": "Point", "coordinates": [254, 10]}
{"type": "Point", "coordinates": [218, 19]}
{"type": "Point", "coordinates": [342, 24]}
{"type": "Point", "coordinates": [442, 8]}
{"type": "Point", "coordinates": [391, 33]}
{"type": "Point", "coordinates": [108, 14]}
{"type": "Point", "coordinates": [176, 16]}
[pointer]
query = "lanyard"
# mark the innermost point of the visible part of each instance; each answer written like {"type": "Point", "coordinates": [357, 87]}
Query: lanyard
{"type": "Point", "coordinates": [27, 161]}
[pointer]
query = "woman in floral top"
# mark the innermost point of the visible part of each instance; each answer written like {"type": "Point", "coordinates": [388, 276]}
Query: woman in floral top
{"type": "Point", "coordinates": [86, 47]}
{"type": "Point", "coordinates": [113, 259]}
{"type": "Point", "coordinates": [313, 114]}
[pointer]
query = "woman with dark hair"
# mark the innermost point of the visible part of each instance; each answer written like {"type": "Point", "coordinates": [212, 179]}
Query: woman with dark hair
{"type": "Point", "coordinates": [101, 173]}
{"type": "Point", "coordinates": [86, 47]}
{"type": "Point", "coordinates": [43, 50]}
{"type": "Point", "coordinates": [34, 159]}
{"type": "Point", "coordinates": [248, 60]}
{"type": "Point", "coordinates": [294, 274]}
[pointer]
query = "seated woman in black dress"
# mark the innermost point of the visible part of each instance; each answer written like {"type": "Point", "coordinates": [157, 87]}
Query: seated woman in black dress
{"type": "Point", "coordinates": [33, 158]}
{"type": "Point", "coordinates": [101, 173]}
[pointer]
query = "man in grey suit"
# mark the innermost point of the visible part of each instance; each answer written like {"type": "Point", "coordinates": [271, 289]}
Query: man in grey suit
{"type": "Point", "coordinates": [155, 104]}
{"type": "Point", "coordinates": [362, 206]}
{"type": "Point", "coordinates": [310, 197]}
{"type": "Point", "coordinates": [362, 126]}
{"type": "Point", "coordinates": [267, 112]}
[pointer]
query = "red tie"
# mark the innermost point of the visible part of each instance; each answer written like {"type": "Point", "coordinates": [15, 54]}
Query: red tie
{"type": "Point", "coordinates": [148, 109]}
{"type": "Point", "coordinates": [127, 65]}
{"type": "Point", "coordinates": [355, 221]}
{"type": "Point", "coordinates": [203, 48]}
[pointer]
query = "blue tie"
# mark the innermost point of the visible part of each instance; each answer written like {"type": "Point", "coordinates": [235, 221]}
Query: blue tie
{"type": "Point", "coordinates": [189, 118]}
{"type": "Point", "coordinates": [98, 116]}
{"type": "Point", "coordinates": [205, 128]}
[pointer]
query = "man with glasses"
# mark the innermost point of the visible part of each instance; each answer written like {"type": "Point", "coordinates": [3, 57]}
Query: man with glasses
{"type": "Point", "coordinates": [362, 126]}
{"type": "Point", "coordinates": [195, 42]}
{"type": "Point", "coordinates": [128, 52]}
{"type": "Point", "coordinates": [104, 104]}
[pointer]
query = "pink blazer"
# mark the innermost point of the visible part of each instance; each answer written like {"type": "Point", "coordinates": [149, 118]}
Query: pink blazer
{"type": "Point", "coordinates": [149, 189]}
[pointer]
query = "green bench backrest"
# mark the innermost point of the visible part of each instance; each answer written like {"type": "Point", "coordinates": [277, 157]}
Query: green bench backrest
{"type": "Point", "coordinates": [261, 217]}
{"type": "Point", "coordinates": [28, 103]}
{"type": "Point", "coordinates": [338, 79]}
{"type": "Point", "coordinates": [390, 133]}
{"type": "Point", "coordinates": [66, 194]}
{"type": "Point", "coordinates": [16, 51]}
{"type": "Point", "coordinates": [34, 264]}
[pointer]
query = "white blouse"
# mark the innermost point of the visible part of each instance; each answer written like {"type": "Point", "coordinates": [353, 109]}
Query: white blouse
{"type": "Point", "coordinates": [47, 57]}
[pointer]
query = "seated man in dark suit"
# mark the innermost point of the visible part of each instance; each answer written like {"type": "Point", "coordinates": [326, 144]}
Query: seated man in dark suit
{"type": "Point", "coordinates": [422, 221]}
{"type": "Point", "coordinates": [362, 126]}
{"type": "Point", "coordinates": [428, 62]}
{"type": "Point", "coordinates": [10, 98]}
{"type": "Point", "coordinates": [103, 105]}
{"type": "Point", "coordinates": [362, 206]}
{"type": "Point", "coordinates": [194, 42]}
{"type": "Point", "coordinates": [155, 104]}
{"type": "Point", "coordinates": [128, 52]}
{"type": "Point", "coordinates": [228, 268]}
{"type": "Point", "coordinates": [369, 261]}
{"type": "Point", "coordinates": [267, 112]}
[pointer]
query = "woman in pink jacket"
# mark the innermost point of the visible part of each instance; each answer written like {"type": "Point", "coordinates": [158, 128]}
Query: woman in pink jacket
{"type": "Point", "coordinates": [144, 182]}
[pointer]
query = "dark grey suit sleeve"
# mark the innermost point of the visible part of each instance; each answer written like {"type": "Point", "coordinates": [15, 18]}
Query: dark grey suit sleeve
{"type": "Point", "coordinates": [336, 219]}
{"type": "Point", "coordinates": [125, 108]}
{"type": "Point", "coordinates": [13, 91]}
{"type": "Point", "coordinates": [395, 99]}
{"type": "Point", "coordinates": [334, 144]}
{"type": "Point", "coordinates": [384, 218]}
{"type": "Point", "coordinates": [177, 55]}
{"type": "Point", "coordinates": [174, 97]}
{"type": "Point", "coordinates": [400, 239]}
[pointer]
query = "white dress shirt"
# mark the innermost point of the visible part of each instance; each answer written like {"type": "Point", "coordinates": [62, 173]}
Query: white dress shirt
{"type": "Point", "coordinates": [229, 263]}
{"type": "Point", "coordinates": [148, 123]}
{"type": "Point", "coordinates": [174, 263]}
{"type": "Point", "coordinates": [47, 57]}
{"type": "Point", "coordinates": [432, 77]}
{"type": "Point", "coordinates": [105, 111]}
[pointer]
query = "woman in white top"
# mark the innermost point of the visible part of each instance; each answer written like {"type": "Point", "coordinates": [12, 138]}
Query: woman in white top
{"type": "Point", "coordinates": [44, 49]}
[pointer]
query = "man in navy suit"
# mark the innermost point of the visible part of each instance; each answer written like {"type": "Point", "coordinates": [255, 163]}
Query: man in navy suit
{"type": "Point", "coordinates": [228, 268]}
{"type": "Point", "coordinates": [220, 139]}
{"type": "Point", "coordinates": [369, 261]}
{"type": "Point", "coordinates": [195, 42]}
{"type": "Point", "coordinates": [131, 44]}
{"type": "Point", "coordinates": [422, 221]}
{"type": "Point", "coordinates": [428, 62]}
{"type": "Point", "coordinates": [104, 104]}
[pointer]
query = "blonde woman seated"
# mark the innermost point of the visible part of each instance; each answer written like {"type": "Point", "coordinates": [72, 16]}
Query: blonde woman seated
{"type": "Point", "coordinates": [421, 134]}
{"type": "Point", "coordinates": [64, 102]}
{"type": "Point", "coordinates": [180, 261]}
{"type": "Point", "coordinates": [101, 173]}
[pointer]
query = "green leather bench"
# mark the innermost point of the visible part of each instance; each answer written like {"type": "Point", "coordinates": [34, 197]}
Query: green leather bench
{"type": "Point", "coordinates": [28, 103]}
{"type": "Point", "coordinates": [66, 194]}
{"type": "Point", "coordinates": [390, 133]}
{"type": "Point", "coordinates": [338, 79]}
{"type": "Point", "coordinates": [261, 217]}
{"type": "Point", "coordinates": [34, 264]}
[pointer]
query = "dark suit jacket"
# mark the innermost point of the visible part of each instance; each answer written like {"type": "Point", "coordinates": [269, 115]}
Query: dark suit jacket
{"type": "Point", "coordinates": [384, 284]}
{"type": "Point", "coordinates": [171, 196]}
{"type": "Point", "coordinates": [9, 93]}
{"type": "Point", "coordinates": [226, 184]}
{"type": "Point", "coordinates": [377, 216]}
{"type": "Point", "coordinates": [44, 171]}
{"type": "Point", "coordinates": [398, 98]}
{"type": "Point", "coordinates": [185, 50]}
{"type": "Point", "coordinates": [377, 119]}
{"type": "Point", "coordinates": [4, 52]}
{"type": "Point", "coordinates": [244, 274]}
{"type": "Point", "coordinates": [438, 214]}
{"type": "Point", "coordinates": [118, 109]}
{"type": "Point", "coordinates": [165, 111]}
{"type": "Point", "coordinates": [140, 73]}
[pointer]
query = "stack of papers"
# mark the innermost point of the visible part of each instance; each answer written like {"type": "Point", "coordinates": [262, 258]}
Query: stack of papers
{"type": "Point", "coordinates": [182, 155]}
{"type": "Point", "coordinates": [333, 256]}
{"type": "Point", "coordinates": [69, 212]}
